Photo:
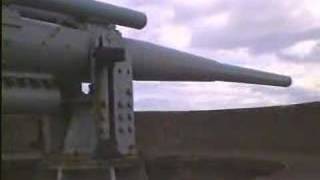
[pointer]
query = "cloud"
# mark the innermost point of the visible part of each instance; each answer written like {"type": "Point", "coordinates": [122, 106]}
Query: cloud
{"type": "Point", "coordinates": [175, 36]}
{"type": "Point", "coordinates": [260, 26]}
{"type": "Point", "coordinates": [275, 36]}
{"type": "Point", "coordinates": [216, 95]}
{"type": "Point", "coordinates": [302, 52]}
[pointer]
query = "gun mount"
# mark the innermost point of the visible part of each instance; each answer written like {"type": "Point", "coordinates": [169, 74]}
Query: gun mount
{"type": "Point", "coordinates": [50, 47]}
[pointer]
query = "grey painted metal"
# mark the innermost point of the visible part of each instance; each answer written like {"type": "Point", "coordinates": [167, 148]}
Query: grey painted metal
{"type": "Point", "coordinates": [76, 141]}
{"type": "Point", "coordinates": [115, 90]}
{"type": "Point", "coordinates": [65, 53]}
{"type": "Point", "coordinates": [41, 46]}
{"type": "Point", "coordinates": [101, 98]}
{"type": "Point", "coordinates": [29, 93]}
{"type": "Point", "coordinates": [91, 11]}
{"type": "Point", "coordinates": [47, 16]}
{"type": "Point", "coordinates": [123, 107]}
{"type": "Point", "coordinates": [102, 114]}
{"type": "Point", "coordinates": [156, 63]}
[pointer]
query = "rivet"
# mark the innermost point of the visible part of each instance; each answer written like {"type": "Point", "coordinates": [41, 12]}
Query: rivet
{"type": "Point", "coordinates": [129, 129]}
{"type": "Point", "coordinates": [129, 105]}
{"type": "Point", "coordinates": [129, 117]}
{"type": "Point", "coordinates": [121, 131]}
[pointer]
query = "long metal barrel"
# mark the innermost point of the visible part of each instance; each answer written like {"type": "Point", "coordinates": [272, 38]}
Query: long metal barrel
{"type": "Point", "coordinates": [89, 9]}
{"type": "Point", "coordinates": [156, 63]}
{"type": "Point", "coordinates": [32, 46]}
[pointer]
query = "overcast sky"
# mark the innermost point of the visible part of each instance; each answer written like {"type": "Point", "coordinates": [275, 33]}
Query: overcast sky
{"type": "Point", "coordinates": [280, 36]}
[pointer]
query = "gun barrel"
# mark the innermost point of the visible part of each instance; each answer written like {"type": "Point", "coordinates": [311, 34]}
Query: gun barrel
{"type": "Point", "coordinates": [156, 63]}
{"type": "Point", "coordinates": [89, 9]}
{"type": "Point", "coordinates": [65, 54]}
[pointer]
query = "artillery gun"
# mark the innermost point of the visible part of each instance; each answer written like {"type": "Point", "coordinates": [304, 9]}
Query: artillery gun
{"type": "Point", "coordinates": [49, 48]}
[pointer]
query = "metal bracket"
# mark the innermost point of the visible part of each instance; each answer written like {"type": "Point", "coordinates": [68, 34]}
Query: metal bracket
{"type": "Point", "coordinates": [111, 75]}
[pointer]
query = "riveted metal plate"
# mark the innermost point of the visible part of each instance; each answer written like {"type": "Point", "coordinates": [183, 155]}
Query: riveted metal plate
{"type": "Point", "coordinates": [123, 101]}
{"type": "Point", "coordinates": [114, 92]}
